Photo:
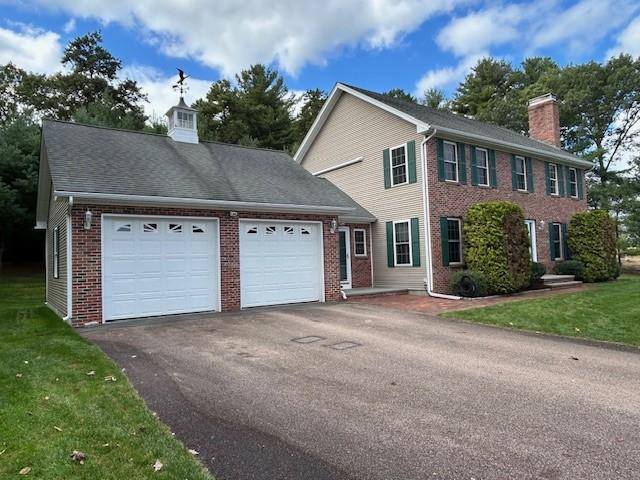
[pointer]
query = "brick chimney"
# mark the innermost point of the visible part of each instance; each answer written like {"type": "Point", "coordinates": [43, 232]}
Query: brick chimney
{"type": "Point", "coordinates": [544, 119]}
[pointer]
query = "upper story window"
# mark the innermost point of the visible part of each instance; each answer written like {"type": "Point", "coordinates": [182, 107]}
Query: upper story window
{"type": "Point", "coordinates": [573, 183]}
{"type": "Point", "coordinates": [184, 119]}
{"type": "Point", "coordinates": [521, 173]}
{"type": "Point", "coordinates": [554, 186]}
{"type": "Point", "coordinates": [399, 165]}
{"type": "Point", "coordinates": [360, 242]}
{"type": "Point", "coordinates": [450, 153]}
{"type": "Point", "coordinates": [402, 243]}
{"type": "Point", "coordinates": [482, 166]}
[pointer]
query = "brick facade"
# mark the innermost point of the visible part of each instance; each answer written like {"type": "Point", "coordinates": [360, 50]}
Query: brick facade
{"type": "Point", "coordinates": [453, 199]}
{"type": "Point", "coordinates": [360, 265]}
{"type": "Point", "coordinates": [87, 253]}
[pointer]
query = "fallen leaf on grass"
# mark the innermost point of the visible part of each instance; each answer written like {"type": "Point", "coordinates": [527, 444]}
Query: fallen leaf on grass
{"type": "Point", "coordinates": [78, 457]}
{"type": "Point", "coordinates": [193, 452]}
{"type": "Point", "coordinates": [3, 451]}
{"type": "Point", "coordinates": [57, 428]}
{"type": "Point", "coordinates": [574, 358]}
{"type": "Point", "coordinates": [46, 398]}
{"type": "Point", "coordinates": [25, 471]}
{"type": "Point", "coordinates": [157, 466]}
{"type": "Point", "coordinates": [133, 356]}
{"type": "Point", "coordinates": [26, 362]}
{"type": "Point", "coordinates": [577, 329]}
{"type": "Point", "coordinates": [105, 444]}
{"type": "Point", "coordinates": [18, 375]}
{"type": "Point", "coordinates": [110, 378]}
{"type": "Point", "coordinates": [91, 373]}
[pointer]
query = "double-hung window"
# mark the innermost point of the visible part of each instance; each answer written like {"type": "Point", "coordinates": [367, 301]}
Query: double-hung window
{"type": "Point", "coordinates": [482, 166]}
{"type": "Point", "coordinates": [573, 183]}
{"type": "Point", "coordinates": [185, 120]}
{"type": "Point", "coordinates": [399, 165]}
{"type": "Point", "coordinates": [521, 173]}
{"type": "Point", "coordinates": [402, 243]}
{"type": "Point", "coordinates": [56, 252]}
{"type": "Point", "coordinates": [450, 152]}
{"type": "Point", "coordinates": [360, 242]}
{"type": "Point", "coordinates": [554, 186]}
{"type": "Point", "coordinates": [454, 240]}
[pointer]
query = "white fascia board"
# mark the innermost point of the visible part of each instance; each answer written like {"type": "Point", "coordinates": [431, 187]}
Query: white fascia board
{"type": "Point", "coordinates": [121, 199]}
{"type": "Point", "coordinates": [348, 219]}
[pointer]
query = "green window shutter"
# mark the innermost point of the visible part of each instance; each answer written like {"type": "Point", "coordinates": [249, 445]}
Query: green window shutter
{"type": "Point", "coordinates": [514, 179]}
{"type": "Point", "coordinates": [560, 180]}
{"type": "Point", "coordinates": [415, 242]}
{"type": "Point", "coordinates": [390, 259]}
{"type": "Point", "coordinates": [440, 153]}
{"type": "Point", "coordinates": [567, 180]}
{"type": "Point", "coordinates": [386, 162]}
{"type": "Point", "coordinates": [565, 243]}
{"type": "Point", "coordinates": [411, 161]}
{"type": "Point", "coordinates": [547, 178]}
{"type": "Point", "coordinates": [493, 175]}
{"type": "Point", "coordinates": [474, 167]}
{"type": "Point", "coordinates": [462, 163]}
{"type": "Point", "coordinates": [580, 175]}
{"type": "Point", "coordinates": [444, 237]}
{"type": "Point", "coordinates": [530, 180]}
{"type": "Point", "coordinates": [552, 245]}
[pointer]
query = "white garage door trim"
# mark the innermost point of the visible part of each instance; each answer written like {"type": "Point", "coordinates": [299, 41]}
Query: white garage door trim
{"type": "Point", "coordinates": [264, 221]}
{"type": "Point", "coordinates": [106, 216]}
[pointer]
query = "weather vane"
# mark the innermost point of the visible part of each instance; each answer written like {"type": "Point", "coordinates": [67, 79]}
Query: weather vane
{"type": "Point", "coordinates": [180, 86]}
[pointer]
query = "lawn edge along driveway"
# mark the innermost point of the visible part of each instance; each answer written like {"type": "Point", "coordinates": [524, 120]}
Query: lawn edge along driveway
{"type": "Point", "coordinates": [60, 393]}
{"type": "Point", "coordinates": [607, 312]}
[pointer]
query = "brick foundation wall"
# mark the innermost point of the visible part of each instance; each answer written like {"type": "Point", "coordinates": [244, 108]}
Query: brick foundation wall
{"type": "Point", "coordinates": [360, 265]}
{"type": "Point", "coordinates": [87, 253]}
{"type": "Point", "coordinates": [452, 200]}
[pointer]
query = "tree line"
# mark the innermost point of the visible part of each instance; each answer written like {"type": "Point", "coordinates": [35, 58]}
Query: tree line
{"type": "Point", "coordinates": [599, 109]}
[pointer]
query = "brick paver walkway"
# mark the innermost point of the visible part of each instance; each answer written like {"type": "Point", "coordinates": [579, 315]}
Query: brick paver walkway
{"type": "Point", "coordinates": [426, 304]}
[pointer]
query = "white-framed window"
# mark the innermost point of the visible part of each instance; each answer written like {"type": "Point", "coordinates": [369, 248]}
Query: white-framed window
{"type": "Point", "coordinates": [556, 244]}
{"type": "Point", "coordinates": [399, 174]}
{"type": "Point", "coordinates": [454, 240]}
{"type": "Point", "coordinates": [531, 230]}
{"type": "Point", "coordinates": [554, 186]}
{"type": "Point", "coordinates": [450, 154]}
{"type": "Point", "coordinates": [185, 119]}
{"type": "Point", "coordinates": [573, 183]}
{"type": "Point", "coordinates": [521, 173]}
{"type": "Point", "coordinates": [402, 243]}
{"type": "Point", "coordinates": [360, 242]}
{"type": "Point", "coordinates": [482, 166]}
{"type": "Point", "coordinates": [56, 252]}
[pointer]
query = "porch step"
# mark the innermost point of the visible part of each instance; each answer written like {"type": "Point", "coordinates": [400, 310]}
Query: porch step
{"type": "Point", "coordinates": [550, 279]}
{"type": "Point", "coordinates": [558, 285]}
{"type": "Point", "coordinates": [373, 292]}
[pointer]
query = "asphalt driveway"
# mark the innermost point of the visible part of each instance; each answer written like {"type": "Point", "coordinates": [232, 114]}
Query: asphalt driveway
{"type": "Point", "coordinates": [411, 397]}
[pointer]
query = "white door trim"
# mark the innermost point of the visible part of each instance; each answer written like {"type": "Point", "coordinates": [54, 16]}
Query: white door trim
{"type": "Point", "coordinates": [531, 227]}
{"type": "Point", "coordinates": [163, 217]}
{"type": "Point", "coordinates": [347, 238]}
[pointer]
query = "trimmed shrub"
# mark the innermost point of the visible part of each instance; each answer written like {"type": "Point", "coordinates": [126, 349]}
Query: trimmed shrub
{"type": "Point", "coordinates": [592, 241]}
{"type": "Point", "coordinates": [570, 267]}
{"type": "Point", "coordinates": [469, 284]}
{"type": "Point", "coordinates": [536, 271]}
{"type": "Point", "coordinates": [496, 243]}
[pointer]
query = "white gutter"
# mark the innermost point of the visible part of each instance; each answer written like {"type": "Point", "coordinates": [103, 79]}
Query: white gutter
{"type": "Point", "coordinates": [427, 220]}
{"type": "Point", "coordinates": [113, 198]}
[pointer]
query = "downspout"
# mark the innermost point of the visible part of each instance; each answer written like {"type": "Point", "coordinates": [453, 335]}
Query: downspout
{"type": "Point", "coordinates": [427, 221]}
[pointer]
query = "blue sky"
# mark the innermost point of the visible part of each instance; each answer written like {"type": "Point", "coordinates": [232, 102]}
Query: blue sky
{"type": "Point", "coordinates": [381, 44]}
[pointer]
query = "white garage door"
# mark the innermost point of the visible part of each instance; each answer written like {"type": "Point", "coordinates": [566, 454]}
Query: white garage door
{"type": "Point", "coordinates": [280, 263]}
{"type": "Point", "coordinates": [159, 266]}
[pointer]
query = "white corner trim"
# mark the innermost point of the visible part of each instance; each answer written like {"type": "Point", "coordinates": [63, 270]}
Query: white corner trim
{"type": "Point", "coordinates": [69, 267]}
{"type": "Point", "coordinates": [340, 165]}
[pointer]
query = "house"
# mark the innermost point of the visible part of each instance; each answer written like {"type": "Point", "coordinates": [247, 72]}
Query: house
{"type": "Point", "coordinates": [141, 225]}
{"type": "Point", "coordinates": [418, 170]}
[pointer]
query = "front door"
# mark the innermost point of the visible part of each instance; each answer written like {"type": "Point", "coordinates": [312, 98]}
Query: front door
{"type": "Point", "coordinates": [345, 257]}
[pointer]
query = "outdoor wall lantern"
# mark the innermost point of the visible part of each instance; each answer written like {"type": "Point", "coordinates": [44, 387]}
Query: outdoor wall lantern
{"type": "Point", "coordinates": [87, 219]}
{"type": "Point", "coordinates": [334, 225]}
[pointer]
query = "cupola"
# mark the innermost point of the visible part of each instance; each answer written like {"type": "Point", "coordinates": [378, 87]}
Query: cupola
{"type": "Point", "coordinates": [183, 123]}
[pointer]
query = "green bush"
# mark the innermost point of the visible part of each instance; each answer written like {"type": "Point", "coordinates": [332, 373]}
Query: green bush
{"type": "Point", "coordinates": [469, 284]}
{"type": "Point", "coordinates": [496, 244]}
{"type": "Point", "coordinates": [570, 267]}
{"type": "Point", "coordinates": [536, 271]}
{"type": "Point", "coordinates": [592, 241]}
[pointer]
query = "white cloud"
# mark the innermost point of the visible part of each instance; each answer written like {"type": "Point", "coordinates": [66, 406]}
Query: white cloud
{"type": "Point", "coordinates": [628, 41]}
{"type": "Point", "coordinates": [70, 26]}
{"type": "Point", "coordinates": [447, 77]}
{"type": "Point", "coordinates": [31, 49]}
{"type": "Point", "coordinates": [158, 88]}
{"type": "Point", "coordinates": [229, 35]}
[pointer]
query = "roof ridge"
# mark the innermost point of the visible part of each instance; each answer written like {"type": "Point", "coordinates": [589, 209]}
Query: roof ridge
{"type": "Point", "coordinates": [245, 146]}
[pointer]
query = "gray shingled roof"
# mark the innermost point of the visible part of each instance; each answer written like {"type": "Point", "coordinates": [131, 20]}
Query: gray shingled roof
{"type": "Point", "coordinates": [444, 119]}
{"type": "Point", "coordinates": [92, 159]}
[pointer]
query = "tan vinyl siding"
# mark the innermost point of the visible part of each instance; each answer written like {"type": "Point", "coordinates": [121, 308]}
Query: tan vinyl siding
{"type": "Point", "coordinates": [357, 129]}
{"type": "Point", "coordinates": [57, 287]}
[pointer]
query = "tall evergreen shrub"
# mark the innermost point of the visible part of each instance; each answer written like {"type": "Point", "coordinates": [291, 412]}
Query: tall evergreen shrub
{"type": "Point", "coordinates": [592, 240]}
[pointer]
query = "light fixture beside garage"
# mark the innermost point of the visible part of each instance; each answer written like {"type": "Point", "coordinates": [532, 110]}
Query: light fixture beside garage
{"type": "Point", "coordinates": [334, 225]}
{"type": "Point", "coordinates": [88, 216]}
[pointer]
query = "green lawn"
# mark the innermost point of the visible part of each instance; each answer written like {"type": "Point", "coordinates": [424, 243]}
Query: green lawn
{"type": "Point", "coordinates": [608, 311]}
{"type": "Point", "coordinates": [51, 406]}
